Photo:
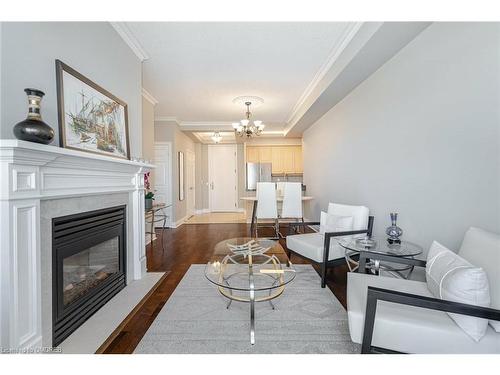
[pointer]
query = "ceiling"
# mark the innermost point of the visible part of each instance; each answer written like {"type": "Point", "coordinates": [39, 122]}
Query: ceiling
{"type": "Point", "coordinates": [194, 70]}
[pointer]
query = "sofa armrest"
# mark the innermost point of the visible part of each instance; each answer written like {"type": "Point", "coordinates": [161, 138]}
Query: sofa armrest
{"type": "Point", "coordinates": [378, 294]}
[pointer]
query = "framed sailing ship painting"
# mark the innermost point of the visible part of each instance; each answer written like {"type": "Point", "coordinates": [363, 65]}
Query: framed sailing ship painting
{"type": "Point", "coordinates": [90, 118]}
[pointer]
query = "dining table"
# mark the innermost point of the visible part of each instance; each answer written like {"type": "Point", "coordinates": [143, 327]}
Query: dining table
{"type": "Point", "coordinates": [279, 198]}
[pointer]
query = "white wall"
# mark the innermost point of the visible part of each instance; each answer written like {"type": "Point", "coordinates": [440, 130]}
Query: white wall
{"type": "Point", "coordinates": [148, 132]}
{"type": "Point", "coordinates": [167, 131]}
{"type": "Point", "coordinates": [29, 51]}
{"type": "Point", "coordinates": [420, 136]}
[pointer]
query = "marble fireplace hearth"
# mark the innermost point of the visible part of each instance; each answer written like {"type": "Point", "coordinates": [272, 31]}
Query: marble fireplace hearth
{"type": "Point", "coordinates": [39, 183]}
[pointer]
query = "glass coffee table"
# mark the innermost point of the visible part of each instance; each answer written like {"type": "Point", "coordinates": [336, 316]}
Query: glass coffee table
{"type": "Point", "coordinates": [251, 275]}
{"type": "Point", "coordinates": [377, 254]}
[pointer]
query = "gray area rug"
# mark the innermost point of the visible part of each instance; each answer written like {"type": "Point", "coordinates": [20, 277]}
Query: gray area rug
{"type": "Point", "coordinates": [307, 319]}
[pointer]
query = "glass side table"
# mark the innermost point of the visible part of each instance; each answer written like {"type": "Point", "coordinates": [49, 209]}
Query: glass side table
{"type": "Point", "coordinates": [376, 254]}
{"type": "Point", "coordinates": [153, 215]}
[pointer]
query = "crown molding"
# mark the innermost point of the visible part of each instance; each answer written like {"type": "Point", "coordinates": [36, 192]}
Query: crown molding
{"type": "Point", "coordinates": [150, 98]}
{"type": "Point", "coordinates": [167, 118]}
{"type": "Point", "coordinates": [197, 137]}
{"type": "Point", "coordinates": [344, 40]}
{"type": "Point", "coordinates": [129, 38]}
{"type": "Point", "coordinates": [207, 124]}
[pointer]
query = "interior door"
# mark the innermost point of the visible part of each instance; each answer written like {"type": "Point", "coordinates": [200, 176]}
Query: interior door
{"type": "Point", "coordinates": [190, 183]}
{"type": "Point", "coordinates": [222, 172]}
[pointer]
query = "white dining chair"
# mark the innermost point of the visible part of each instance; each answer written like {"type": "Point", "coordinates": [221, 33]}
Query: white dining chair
{"type": "Point", "coordinates": [292, 202]}
{"type": "Point", "coordinates": [280, 188]}
{"type": "Point", "coordinates": [267, 207]}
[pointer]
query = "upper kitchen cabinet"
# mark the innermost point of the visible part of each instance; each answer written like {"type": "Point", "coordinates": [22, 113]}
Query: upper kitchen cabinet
{"type": "Point", "coordinates": [253, 155]}
{"type": "Point", "coordinates": [288, 159]}
{"type": "Point", "coordinates": [285, 159]}
{"type": "Point", "coordinates": [277, 159]}
{"type": "Point", "coordinates": [265, 154]}
{"type": "Point", "coordinates": [297, 159]}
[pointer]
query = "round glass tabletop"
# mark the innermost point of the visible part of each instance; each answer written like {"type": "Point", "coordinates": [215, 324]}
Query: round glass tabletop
{"type": "Point", "coordinates": [381, 246]}
{"type": "Point", "coordinates": [247, 264]}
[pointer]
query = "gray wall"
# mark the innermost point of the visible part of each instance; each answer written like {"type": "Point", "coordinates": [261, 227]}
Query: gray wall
{"type": "Point", "coordinates": [166, 131]}
{"type": "Point", "coordinates": [420, 136]}
{"type": "Point", "coordinates": [29, 51]}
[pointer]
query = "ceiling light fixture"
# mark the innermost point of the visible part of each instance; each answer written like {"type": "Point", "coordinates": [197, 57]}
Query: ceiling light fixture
{"type": "Point", "coordinates": [216, 137]}
{"type": "Point", "coordinates": [247, 127]}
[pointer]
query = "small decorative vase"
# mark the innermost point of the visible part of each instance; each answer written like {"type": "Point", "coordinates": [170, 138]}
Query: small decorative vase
{"type": "Point", "coordinates": [394, 232]}
{"type": "Point", "coordinates": [148, 203]}
{"type": "Point", "coordinates": [33, 129]}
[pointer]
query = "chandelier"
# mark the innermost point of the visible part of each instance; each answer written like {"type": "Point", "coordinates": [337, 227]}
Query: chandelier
{"type": "Point", "coordinates": [248, 127]}
{"type": "Point", "coordinates": [216, 137]}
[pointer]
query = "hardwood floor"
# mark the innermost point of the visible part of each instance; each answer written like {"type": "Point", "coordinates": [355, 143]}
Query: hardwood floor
{"type": "Point", "coordinates": [183, 246]}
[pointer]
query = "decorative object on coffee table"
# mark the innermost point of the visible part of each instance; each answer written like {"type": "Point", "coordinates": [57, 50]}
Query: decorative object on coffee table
{"type": "Point", "coordinates": [394, 232]}
{"type": "Point", "coordinates": [91, 119]}
{"type": "Point", "coordinates": [150, 195]}
{"type": "Point", "coordinates": [34, 129]}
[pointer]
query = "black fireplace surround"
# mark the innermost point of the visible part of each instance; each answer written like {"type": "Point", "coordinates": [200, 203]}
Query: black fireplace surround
{"type": "Point", "coordinates": [88, 264]}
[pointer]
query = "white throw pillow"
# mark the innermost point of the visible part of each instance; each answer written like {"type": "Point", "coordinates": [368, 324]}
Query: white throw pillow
{"type": "Point", "coordinates": [482, 248]}
{"type": "Point", "coordinates": [334, 223]}
{"type": "Point", "coordinates": [452, 278]}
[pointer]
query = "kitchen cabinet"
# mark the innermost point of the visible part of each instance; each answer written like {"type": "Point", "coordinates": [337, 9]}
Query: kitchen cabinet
{"type": "Point", "coordinates": [265, 155]}
{"type": "Point", "coordinates": [253, 155]}
{"type": "Point", "coordinates": [277, 160]}
{"type": "Point", "coordinates": [288, 159]}
{"type": "Point", "coordinates": [284, 159]}
{"type": "Point", "coordinates": [297, 159]}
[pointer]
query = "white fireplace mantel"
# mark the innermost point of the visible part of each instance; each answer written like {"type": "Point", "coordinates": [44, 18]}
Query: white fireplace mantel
{"type": "Point", "coordinates": [29, 173]}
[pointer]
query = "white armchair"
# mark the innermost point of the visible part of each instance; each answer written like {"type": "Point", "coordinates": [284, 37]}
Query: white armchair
{"type": "Point", "coordinates": [395, 315]}
{"type": "Point", "coordinates": [324, 248]}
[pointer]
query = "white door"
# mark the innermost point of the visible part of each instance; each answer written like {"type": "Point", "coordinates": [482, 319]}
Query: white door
{"type": "Point", "coordinates": [190, 183]}
{"type": "Point", "coordinates": [222, 177]}
{"type": "Point", "coordinates": [163, 172]}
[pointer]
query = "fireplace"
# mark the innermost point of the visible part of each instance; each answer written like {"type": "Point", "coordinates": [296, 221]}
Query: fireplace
{"type": "Point", "coordinates": [88, 262]}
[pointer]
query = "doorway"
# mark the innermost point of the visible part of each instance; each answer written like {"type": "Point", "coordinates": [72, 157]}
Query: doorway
{"type": "Point", "coordinates": [223, 178]}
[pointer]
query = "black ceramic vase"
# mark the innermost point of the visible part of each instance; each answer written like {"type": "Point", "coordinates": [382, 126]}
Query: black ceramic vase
{"type": "Point", "coordinates": [33, 129]}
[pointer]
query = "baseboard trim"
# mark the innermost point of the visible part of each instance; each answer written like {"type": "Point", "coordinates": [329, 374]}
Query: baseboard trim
{"type": "Point", "coordinates": [179, 222]}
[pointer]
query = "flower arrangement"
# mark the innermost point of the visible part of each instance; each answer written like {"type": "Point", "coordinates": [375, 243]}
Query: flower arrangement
{"type": "Point", "coordinates": [150, 195]}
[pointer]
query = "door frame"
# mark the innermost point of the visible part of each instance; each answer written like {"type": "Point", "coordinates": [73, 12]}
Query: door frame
{"type": "Point", "coordinates": [169, 201]}
{"type": "Point", "coordinates": [211, 147]}
{"type": "Point", "coordinates": [193, 172]}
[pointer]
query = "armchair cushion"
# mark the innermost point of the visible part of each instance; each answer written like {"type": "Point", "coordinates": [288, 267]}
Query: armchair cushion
{"type": "Point", "coordinates": [482, 249]}
{"type": "Point", "coordinates": [452, 278]}
{"type": "Point", "coordinates": [406, 328]}
{"type": "Point", "coordinates": [311, 246]}
{"type": "Point", "coordinates": [334, 223]}
{"type": "Point", "coordinates": [359, 213]}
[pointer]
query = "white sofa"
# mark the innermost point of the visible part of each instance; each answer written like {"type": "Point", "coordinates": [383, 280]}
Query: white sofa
{"type": "Point", "coordinates": [400, 326]}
